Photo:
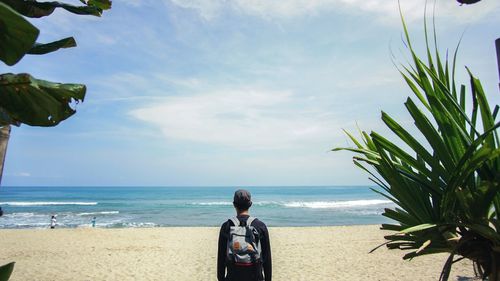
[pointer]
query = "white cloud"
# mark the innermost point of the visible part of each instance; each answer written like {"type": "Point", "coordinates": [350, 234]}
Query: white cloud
{"type": "Point", "coordinates": [19, 175]}
{"type": "Point", "coordinates": [133, 3]}
{"type": "Point", "coordinates": [207, 9]}
{"type": "Point", "coordinates": [384, 10]}
{"type": "Point", "coordinates": [105, 39]}
{"type": "Point", "coordinates": [250, 119]}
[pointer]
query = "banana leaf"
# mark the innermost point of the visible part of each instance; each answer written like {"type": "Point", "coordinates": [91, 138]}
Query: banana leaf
{"type": "Point", "coordinates": [37, 102]}
{"type": "Point", "coordinates": [34, 9]}
{"type": "Point", "coordinates": [101, 4]}
{"type": "Point", "coordinates": [17, 36]}
{"type": "Point", "coordinates": [42, 49]}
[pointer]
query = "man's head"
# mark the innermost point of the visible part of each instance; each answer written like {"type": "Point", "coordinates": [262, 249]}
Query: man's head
{"type": "Point", "coordinates": [242, 200]}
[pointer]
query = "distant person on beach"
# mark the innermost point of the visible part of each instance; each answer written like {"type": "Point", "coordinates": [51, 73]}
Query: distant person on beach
{"type": "Point", "coordinates": [93, 221]}
{"type": "Point", "coordinates": [1, 212]}
{"type": "Point", "coordinates": [53, 222]}
{"type": "Point", "coordinates": [244, 252]}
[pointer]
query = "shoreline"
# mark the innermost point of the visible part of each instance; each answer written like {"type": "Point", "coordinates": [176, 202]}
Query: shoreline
{"type": "Point", "coordinates": [189, 253]}
{"type": "Point", "coordinates": [182, 226]}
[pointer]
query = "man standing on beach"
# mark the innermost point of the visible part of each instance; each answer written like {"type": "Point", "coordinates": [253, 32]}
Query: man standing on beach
{"type": "Point", "coordinates": [248, 259]}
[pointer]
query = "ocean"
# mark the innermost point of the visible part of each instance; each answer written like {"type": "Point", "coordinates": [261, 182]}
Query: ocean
{"type": "Point", "coordinates": [117, 207]}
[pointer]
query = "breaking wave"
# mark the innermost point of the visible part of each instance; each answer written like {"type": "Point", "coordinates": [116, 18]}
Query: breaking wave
{"type": "Point", "coordinates": [47, 203]}
{"type": "Point", "coordinates": [219, 203]}
{"type": "Point", "coordinates": [336, 204]}
{"type": "Point", "coordinates": [99, 213]}
{"type": "Point", "coordinates": [307, 204]}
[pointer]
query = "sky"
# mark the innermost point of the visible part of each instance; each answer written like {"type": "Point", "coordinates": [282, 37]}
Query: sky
{"type": "Point", "coordinates": [232, 92]}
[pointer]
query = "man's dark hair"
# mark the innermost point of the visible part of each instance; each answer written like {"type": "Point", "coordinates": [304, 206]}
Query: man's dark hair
{"type": "Point", "coordinates": [242, 200]}
{"type": "Point", "coordinates": [241, 208]}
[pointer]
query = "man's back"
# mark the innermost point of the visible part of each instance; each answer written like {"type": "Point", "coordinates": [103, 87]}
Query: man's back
{"type": "Point", "coordinates": [258, 272]}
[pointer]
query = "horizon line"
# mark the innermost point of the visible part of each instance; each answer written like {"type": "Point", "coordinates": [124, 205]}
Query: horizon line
{"type": "Point", "coordinates": [203, 186]}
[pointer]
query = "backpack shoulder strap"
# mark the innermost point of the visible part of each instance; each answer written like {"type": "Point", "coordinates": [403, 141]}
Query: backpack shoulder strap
{"type": "Point", "coordinates": [250, 220]}
{"type": "Point", "coordinates": [235, 221]}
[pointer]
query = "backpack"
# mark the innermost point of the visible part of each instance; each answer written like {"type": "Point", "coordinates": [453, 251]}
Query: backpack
{"type": "Point", "coordinates": [243, 245]}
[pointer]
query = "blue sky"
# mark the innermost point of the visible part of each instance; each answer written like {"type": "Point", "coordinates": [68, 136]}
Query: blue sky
{"type": "Point", "coordinates": [231, 92]}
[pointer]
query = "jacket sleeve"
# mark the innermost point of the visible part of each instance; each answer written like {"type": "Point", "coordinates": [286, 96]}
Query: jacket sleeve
{"type": "Point", "coordinates": [266, 255]}
{"type": "Point", "coordinates": [221, 253]}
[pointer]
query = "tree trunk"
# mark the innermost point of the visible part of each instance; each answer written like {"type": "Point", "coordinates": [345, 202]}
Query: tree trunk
{"type": "Point", "coordinates": [497, 44]}
{"type": "Point", "coordinates": [4, 140]}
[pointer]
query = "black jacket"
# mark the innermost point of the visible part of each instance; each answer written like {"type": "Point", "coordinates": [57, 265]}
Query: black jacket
{"type": "Point", "coordinates": [258, 273]}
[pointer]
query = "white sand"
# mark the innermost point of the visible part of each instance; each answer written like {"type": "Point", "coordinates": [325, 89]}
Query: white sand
{"type": "Point", "coordinates": [189, 254]}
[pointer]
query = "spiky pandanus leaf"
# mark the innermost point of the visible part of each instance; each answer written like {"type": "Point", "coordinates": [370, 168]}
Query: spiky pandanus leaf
{"type": "Point", "coordinates": [6, 271]}
{"type": "Point", "coordinates": [446, 184]}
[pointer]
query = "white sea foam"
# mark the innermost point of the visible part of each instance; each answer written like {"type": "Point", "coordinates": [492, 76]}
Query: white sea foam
{"type": "Point", "coordinates": [336, 204]}
{"type": "Point", "coordinates": [307, 204]}
{"type": "Point", "coordinates": [99, 213]}
{"type": "Point", "coordinates": [47, 203]}
{"type": "Point", "coordinates": [217, 203]}
{"type": "Point", "coordinates": [226, 203]}
{"type": "Point", "coordinates": [20, 215]}
{"type": "Point", "coordinates": [31, 225]}
{"type": "Point", "coordinates": [131, 224]}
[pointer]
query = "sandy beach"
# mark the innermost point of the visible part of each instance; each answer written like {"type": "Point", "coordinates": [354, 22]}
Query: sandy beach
{"type": "Point", "coordinates": [188, 253]}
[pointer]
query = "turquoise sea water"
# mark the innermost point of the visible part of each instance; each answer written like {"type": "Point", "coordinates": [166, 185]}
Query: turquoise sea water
{"type": "Point", "coordinates": [32, 207]}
